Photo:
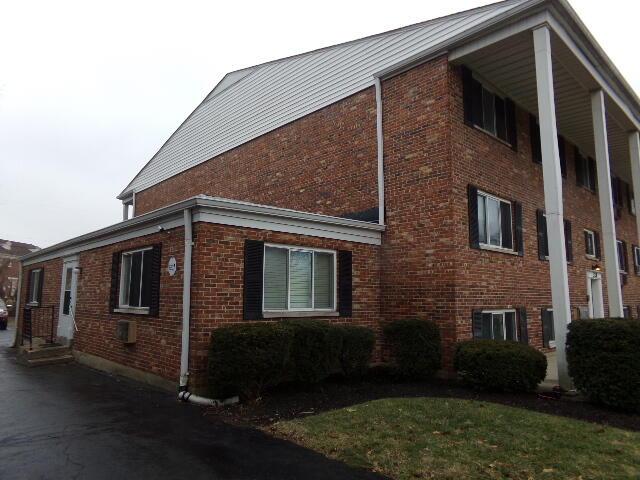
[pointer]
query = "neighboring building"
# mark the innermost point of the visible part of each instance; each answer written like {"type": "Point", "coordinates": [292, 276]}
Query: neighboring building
{"type": "Point", "coordinates": [419, 172]}
{"type": "Point", "coordinates": [10, 253]}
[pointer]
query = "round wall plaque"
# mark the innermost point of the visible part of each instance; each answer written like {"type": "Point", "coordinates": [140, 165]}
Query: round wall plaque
{"type": "Point", "coordinates": [172, 268]}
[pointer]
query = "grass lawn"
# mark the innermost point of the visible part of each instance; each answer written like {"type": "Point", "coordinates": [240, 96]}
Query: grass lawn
{"type": "Point", "coordinates": [447, 438]}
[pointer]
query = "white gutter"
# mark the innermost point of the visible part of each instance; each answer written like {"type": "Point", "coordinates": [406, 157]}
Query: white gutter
{"type": "Point", "coordinates": [380, 139]}
{"type": "Point", "coordinates": [17, 307]}
{"type": "Point", "coordinates": [186, 299]}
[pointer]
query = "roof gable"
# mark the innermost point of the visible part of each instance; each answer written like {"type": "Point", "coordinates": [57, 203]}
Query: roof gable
{"type": "Point", "coordinates": [251, 102]}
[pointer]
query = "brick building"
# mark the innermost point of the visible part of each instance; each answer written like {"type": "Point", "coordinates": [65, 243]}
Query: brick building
{"type": "Point", "coordinates": [454, 170]}
{"type": "Point", "coordinates": [10, 253]}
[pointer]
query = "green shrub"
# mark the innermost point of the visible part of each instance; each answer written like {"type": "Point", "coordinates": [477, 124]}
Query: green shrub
{"type": "Point", "coordinates": [245, 359]}
{"type": "Point", "coordinates": [416, 347]}
{"type": "Point", "coordinates": [500, 365]}
{"type": "Point", "coordinates": [357, 347]}
{"type": "Point", "coordinates": [604, 361]}
{"type": "Point", "coordinates": [315, 350]}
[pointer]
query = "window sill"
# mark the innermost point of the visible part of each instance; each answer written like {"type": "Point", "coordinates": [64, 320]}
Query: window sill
{"type": "Point", "coordinates": [495, 137]}
{"type": "Point", "coordinates": [134, 310]}
{"type": "Point", "coordinates": [303, 314]}
{"type": "Point", "coordinates": [491, 248]}
{"type": "Point", "coordinates": [32, 304]}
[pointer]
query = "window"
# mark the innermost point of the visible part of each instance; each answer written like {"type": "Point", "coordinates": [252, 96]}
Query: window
{"type": "Point", "coordinates": [586, 175]}
{"type": "Point", "coordinates": [35, 286]}
{"type": "Point", "coordinates": [626, 311]}
{"type": "Point", "coordinates": [543, 240]}
{"type": "Point", "coordinates": [636, 259]}
{"type": "Point", "coordinates": [66, 304]}
{"type": "Point", "coordinates": [536, 145]}
{"type": "Point", "coordinates": [590, 243]}
{"type": "Point", "coordinates": [497, 325]}
{"type": "Point", "coordinates": [548, 329]}
{"type": "Point", "coordinates": [298, 279]}
{"type": "Point", "coordinates": [494, 222]}
{"type": "Point", "coordinates": [135, 279]}
{"type": "Point", "coordinates": [622, 256]}
{"type": "Point", "coordinates": [488, 111]}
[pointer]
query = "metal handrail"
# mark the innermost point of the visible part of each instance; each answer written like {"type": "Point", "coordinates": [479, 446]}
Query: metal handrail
{"type": "Point", "coordinates": [38, 322]}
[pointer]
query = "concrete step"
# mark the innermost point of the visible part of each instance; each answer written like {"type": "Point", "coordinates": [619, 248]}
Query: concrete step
{"type": "Point", "coordinates": [46, 352]}
{"type": "Point", "coordinates": [39, 362]}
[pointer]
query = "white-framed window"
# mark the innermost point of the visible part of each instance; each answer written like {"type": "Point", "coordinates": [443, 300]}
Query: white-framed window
{"type": "Point", "coordinates": [622, 256]}
{"type": "Point", "coordinates": [590, 243]}
{"type": "Point", "coordinates": [135, 279]}
{"type": "Point", "coordinates": [298, 279]}
{"type": "Point", "coordinates": [636, 259]}
{"type": "Point", "coordinates": [499, 325]}
{"type": "Point", "coordinates": [492, 116]}
{"type": "Point", "coordinates": [35, 286]}
{"type": "Point", "coordinates": [626, 311]}
{"type": "Point", "coordinates": [548, 328]}
{"type": "Point", "coordinates": [495, 228]}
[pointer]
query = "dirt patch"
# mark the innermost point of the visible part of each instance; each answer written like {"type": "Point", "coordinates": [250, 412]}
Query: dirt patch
{"type": "Point", "coordinates": [294, 401]}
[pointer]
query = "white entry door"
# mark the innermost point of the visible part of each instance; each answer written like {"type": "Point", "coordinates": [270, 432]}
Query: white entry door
{"type": "Point", "coordinates": [66, 320]}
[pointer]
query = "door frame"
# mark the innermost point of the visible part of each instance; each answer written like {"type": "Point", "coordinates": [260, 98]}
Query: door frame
{"type": "Point", "coordinates": [66, 325]}
{"type": "Point", "coordinates": [596, 309]}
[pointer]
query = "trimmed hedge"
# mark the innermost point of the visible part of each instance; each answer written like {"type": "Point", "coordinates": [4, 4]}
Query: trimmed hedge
{"type": "Point", "coordinates": [357, 347]}
{"type": "Point", "coordinates": [416, 347]}
{"type": "Point", "coordinates": [604, 361]}
{"type": "Point", "coordinates": [315, 349]}
{"type": "Point", "coordinates": [500, 365]}
{"type": "Point", "coordinates": [246, 359]}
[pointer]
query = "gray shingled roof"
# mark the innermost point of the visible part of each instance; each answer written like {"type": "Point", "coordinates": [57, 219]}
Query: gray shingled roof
{"type": "Point", "coordinates": [253, 101]}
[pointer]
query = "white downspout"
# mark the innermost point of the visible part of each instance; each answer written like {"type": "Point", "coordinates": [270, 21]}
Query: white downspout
{"type": "Point", "coordinates": [17, 307]}
{"type": "Point", "coordinates": [183, 390]}
{"type": "Point", "coordinates": [380, 140]}
{"type": "Point", "coordinates": [186, 300]}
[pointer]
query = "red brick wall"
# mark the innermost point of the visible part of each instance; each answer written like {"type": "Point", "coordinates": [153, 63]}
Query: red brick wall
{"type": "Point", "coordinates": [217, 282]}
{"type": "Point", "coordinates": [495, 280]}
{"type": "Point", "coordinates": [418, 252]}
{"type": "Point", "coordinates": [324, 163]}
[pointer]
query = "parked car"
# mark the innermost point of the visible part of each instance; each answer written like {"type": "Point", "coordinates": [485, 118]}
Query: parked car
{"type": "Point", "coordinates": [4, 315]}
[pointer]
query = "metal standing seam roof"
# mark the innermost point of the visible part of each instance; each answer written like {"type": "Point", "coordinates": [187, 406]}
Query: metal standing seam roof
{"type": "Point", "coordinates": [251, 102]}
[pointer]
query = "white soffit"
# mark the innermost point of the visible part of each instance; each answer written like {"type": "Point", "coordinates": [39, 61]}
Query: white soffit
{"type": "Point", "coordinates": [251, 102]}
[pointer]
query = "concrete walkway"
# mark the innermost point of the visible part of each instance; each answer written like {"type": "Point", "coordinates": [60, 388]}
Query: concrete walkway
{"type": "Point", "coordinates": [70, 422]}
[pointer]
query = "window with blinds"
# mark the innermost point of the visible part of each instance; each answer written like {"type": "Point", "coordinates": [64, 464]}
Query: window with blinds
{"type": "Point", "coordinates": [298, 279]}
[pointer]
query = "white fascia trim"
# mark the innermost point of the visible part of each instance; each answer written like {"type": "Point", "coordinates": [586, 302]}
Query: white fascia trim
{"type": "Point", "coordinates": [220, 211]}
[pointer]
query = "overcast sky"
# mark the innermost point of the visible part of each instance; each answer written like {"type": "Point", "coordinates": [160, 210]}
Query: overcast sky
{"type": "Point", "coordinates": [90, 90]}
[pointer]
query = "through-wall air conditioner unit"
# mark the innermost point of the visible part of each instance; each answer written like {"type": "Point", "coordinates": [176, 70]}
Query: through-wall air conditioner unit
{"type": "Point", "coordinates": [126, 331]}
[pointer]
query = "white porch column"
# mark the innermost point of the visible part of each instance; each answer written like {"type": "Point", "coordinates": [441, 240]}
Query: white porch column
{"type": "Point", "coordinates": [634, 153]}
{"type": "Point", "coordinates": [614, 291]}
{"type": "Point", "coordinates": [553, 199]}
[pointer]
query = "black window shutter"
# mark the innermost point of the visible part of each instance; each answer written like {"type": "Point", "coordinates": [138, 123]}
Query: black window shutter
{"type": "Point", "coordinates": [505, 223]}
{"type": "Point", "coordinates": [593, 175]}
{"type": "Point", "coordinates": [563, 156]}
{"type": "Point", "coordinates": [568, 241]}
{"type": "Point", "coordinates": [476, 323]}
{"type": "Point", "coordinates": [596, 243]}
{"type": "Point", "coordinates": [29, 279]}
{"type": "Point", "coordinates": [512, 124]}
{"type": "Point", "coordinates": [547, 327]}
{"type": "Point", "coordinates": [501, 119]}
{"type": "Point", "coordinates": [542, 234]}
{"type": "Point", "coordinates": [345, 283]}
{"type": "Point", "coordinates": [253, 268]}
{"type": "Point", "coordinates": [534, 134]}
{"type": "Point", "coordinates": [519, 237]}
{"type": "Point", "coordinates": [40, 285]}
{"type": "Point", "coordinates": [629, 192]}
{"type": "Point", "coordinates": [153, 279]}
{"type": "Point", "coordinates": [467, 95]}
{"type": "Point", "coordinates": [625, 259]}
{"type": "Point", "coordinates": [115, 281]}
{"type": "Point", "coordinates": [474, 233]}
{"type": "Point", "coordinates": [580, 168]}
{"type": "Point", "coordinates": [523, 330]}
{"type": "Point", "coordinates": [476, 101]}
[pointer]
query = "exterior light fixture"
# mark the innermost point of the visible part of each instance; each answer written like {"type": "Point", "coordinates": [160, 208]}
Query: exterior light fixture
{"type": "Point", "coordinates": [596, 268]}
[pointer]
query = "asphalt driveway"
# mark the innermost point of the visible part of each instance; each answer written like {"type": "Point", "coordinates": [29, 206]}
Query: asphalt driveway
{"type": "Point", "coordinates": [68, 421]}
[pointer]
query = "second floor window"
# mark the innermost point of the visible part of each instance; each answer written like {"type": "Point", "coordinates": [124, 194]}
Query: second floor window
{"type": "Point", "coordinates": [636, 260]}
{"type": "Point", "coordinates": [586, 174]}
{"type": "Point", "coordinates": [622, 256]}
{"type": "Point", "coordinates": [494, 221]}
{"type": "Point", "coordinates": [591, 244]}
